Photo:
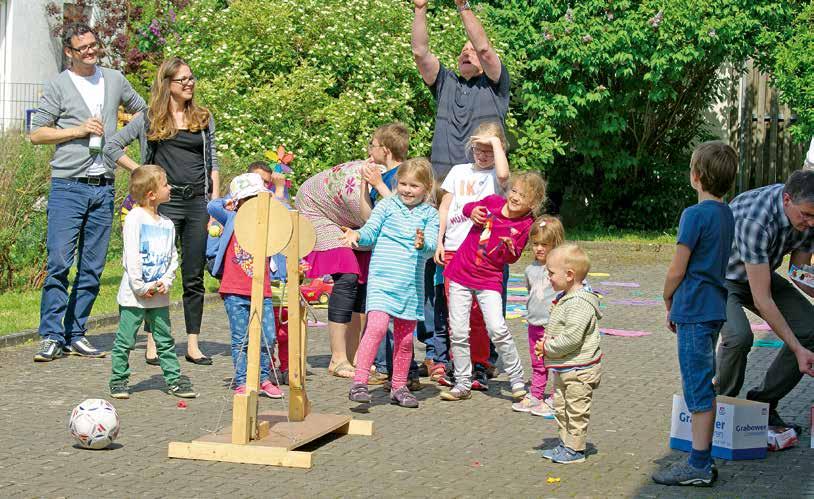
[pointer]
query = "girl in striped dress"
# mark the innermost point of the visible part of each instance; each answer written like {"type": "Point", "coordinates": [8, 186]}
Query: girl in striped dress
{"type": "Point", "coordinates": [403, 230]}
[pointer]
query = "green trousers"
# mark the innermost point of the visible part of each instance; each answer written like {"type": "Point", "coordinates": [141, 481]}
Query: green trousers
{"type": "Point", "coordinates": [130, 319]}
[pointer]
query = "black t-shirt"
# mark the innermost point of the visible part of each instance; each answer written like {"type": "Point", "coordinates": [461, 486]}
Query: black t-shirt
{"type": "Point", "coordinates": [183, 159]}
{"type": "Point", "coordinates": [462, 105]}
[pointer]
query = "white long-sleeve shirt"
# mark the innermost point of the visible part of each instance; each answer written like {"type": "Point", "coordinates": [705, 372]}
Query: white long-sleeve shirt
{"type": "Point", "coordinates": [149, 256]}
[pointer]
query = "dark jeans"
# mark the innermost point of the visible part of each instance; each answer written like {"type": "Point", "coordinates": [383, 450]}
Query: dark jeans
{"type": "Point", "coordinates": [190, 218]}
{"type": "Point", "coordinates": [79, 221]}
{"type": "Point", "coordinates": [736, 341]}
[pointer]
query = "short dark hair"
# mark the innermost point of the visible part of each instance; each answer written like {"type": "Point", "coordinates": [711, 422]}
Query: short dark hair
{"type": "Point", "coordinates": [716, 164]}
{"type": "Point", "coordinates": [259, 165]}
{"type": "Point", "coordinates": [800, 186]}
{"type": "Point", "coordinates": [76, 29]}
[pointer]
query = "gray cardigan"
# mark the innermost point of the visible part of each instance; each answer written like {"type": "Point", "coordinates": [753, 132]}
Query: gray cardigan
{"type": "Point", "coordinates": [61, 106]}
{"type": "Point", "coordinates": [138, 128]}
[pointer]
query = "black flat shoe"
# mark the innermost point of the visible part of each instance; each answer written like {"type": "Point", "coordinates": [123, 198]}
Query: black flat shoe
{"type": "Point", "coordinates": [201, 361]}
{"type": "Point", "coordinates": [150, 361]}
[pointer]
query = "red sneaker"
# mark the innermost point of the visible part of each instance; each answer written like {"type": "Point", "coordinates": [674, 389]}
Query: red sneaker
{"type": "Point", "coordinates": [270, 390]}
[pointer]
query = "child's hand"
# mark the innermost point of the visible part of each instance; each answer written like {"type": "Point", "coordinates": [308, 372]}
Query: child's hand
{"type": "Point", "coordinates": [670, 324]}
{"type": "Point", "coordinates": [277, 180]}
{"type": "Point", "coordinates": [150, 292]}
{"type": "Point", "coordinates": [372, 174]}
{"type": "Point", "coordinates": [478, 215]}
{"type": "Point", "coordinates": [230, 204]}
{"type": "Point", "coordinates": [350, 237]}
{"type": "Point", "coordinates": [439, 254]}
{"type": "Point", "coordinates": [539, 349]}
{"type": "Point", "coordinates": [161, 288]}
{"type": "Point", "coordinates": [419, 239]}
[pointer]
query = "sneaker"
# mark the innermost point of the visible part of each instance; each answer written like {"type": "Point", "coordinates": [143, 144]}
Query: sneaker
{"type": "Point", "coordinates": [83, 348]}
{"type": "Point", "coordinates": [542, 409]}
{"type": "Point", "coordinates": [414, 385]}
{"type": "Point", "coordinates": [49, 350]}
{"type": "Point", "coordinates": [183, 388]}
{"type": "Point", "coordinates": [377, 378]}
{"type": "Point", "coordinates": [566, 455]}
{"type": "Point", "coordinates": [776, 420]}
{"type": "Point", "coordinates": [458, 392]}
{"type": "Point", "coordinates": [480, 381]}
{"type": "Point", "coordinates": [681, 473]}
{"type": "Point", "coordinates": [358, 393]}
{"type": "Point", "coordinates": [119, 390]}
{"type": "Point", "coordinates": [550, 453]}
{"type": "Point", "coordinates": [526, 404]}
{"type": "Point", "coordinates": [403, 398]}
{"type": "Point", "coordinates": [447, 379]}
{"type": "Point", "coordinates": [519, 390]}
{"type": "Point", "coordinates": [270, 390]}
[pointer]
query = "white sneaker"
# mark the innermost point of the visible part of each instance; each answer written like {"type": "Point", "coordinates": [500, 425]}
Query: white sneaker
{"type": "Point", "coordinates": [526, 404]}
{"type": "Point", "coordinates": [542, 409]}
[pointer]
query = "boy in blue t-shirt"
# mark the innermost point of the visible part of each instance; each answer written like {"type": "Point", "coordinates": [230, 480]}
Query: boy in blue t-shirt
{"type": "Point", "coordinates": [695, 298]}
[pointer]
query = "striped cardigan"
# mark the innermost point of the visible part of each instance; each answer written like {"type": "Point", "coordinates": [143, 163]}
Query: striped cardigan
{"type": "Point", "coordinates": [395, 282]}
{"type": "Point", "coordinates": [572, 333]}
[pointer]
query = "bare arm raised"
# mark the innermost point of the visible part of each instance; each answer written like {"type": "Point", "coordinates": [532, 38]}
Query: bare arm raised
{"type": "Point", "coordinates": [427, 63]}
{"type": "Point", "coordinates": [474, 31]}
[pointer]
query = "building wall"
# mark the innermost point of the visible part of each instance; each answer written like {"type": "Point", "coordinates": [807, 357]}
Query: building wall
{"type": "Point", "coordinates": [29, 54]}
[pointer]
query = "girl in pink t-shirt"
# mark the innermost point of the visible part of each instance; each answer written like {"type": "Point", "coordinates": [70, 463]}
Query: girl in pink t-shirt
{"type": "Point", "coordinates": [497, 238]}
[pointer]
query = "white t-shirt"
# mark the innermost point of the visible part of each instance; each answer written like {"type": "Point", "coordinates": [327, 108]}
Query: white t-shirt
{"type": "Point", "coordinates": [149, 256]}
{"type": "Point", "coordinates": [92, 90]}
{"type": "Point", "coordinates": [467, 183]}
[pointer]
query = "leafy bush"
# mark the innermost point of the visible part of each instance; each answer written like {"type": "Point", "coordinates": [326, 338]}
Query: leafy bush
{"type": "Point", "coordinates": [793, 71]}
{"type": "Point", "coordinates": [24, 175]}
{"type": "Point", "coordinates": [315, 75]}
{"type": "Point", "coordinates": [610, 96]}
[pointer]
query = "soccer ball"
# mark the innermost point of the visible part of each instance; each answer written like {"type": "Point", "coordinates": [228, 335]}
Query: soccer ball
{"type": "Point", "coordinates": [94, 423]}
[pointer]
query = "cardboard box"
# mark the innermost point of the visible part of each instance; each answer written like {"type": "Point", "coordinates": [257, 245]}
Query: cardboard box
{"type": "Point", "coordinates": [741, 428]}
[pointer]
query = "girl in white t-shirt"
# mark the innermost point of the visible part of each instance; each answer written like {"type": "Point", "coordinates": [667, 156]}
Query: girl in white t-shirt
{"type": "Point", "coordinates": [465, 183]}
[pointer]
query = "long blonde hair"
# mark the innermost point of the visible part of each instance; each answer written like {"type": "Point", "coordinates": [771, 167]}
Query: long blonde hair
{"type": "Point", "coordinates": [162, 125]}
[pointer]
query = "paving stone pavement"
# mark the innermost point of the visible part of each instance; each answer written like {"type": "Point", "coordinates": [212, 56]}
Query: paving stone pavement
{"type": "Point", "coordinates": [473, 448]}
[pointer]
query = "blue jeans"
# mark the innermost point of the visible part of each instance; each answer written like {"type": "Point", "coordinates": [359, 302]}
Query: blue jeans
{"type": "Point", "coordinates": [79, 221]}
{"type": "Point", "coordinates": [696, 359]}
{"type": "Point", "coordinates": [237, 310]}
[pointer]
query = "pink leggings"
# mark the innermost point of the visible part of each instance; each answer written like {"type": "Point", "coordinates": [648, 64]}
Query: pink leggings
{"type": "Point", "coordinates": [375, 329]}
{"type": "Point", "coordinates": [539, 372]}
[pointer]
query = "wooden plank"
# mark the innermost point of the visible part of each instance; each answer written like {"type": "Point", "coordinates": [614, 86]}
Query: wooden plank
{"type": "Point", "coordinates": [744, 131]}
{"type": "Point", "coordinates": [785, 141]}
{"type": "Point", "coordinates": [772, 168]}
{"type": "Point", "coordinates": [288, 434]}
{"type": "Point", "coordinates": [234, 453]}
{"type": "Point", "coordinates": [298, 404]}
{"type": "Point", "coordinates": [759, 140]}
{"type": "Point", "coordinates": [356, 427]}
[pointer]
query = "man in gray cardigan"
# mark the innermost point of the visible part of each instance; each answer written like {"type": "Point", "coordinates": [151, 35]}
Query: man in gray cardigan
{"type": "Point", "coordinates": [76, 108]}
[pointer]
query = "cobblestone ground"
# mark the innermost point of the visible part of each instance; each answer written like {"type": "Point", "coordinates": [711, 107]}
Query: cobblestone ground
{"type": "Point", "coordinates": [474, 448]}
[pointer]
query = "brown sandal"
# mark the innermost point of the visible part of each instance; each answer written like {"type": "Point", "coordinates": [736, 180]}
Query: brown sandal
{"type": "Point", "coordinates": [341, 369]}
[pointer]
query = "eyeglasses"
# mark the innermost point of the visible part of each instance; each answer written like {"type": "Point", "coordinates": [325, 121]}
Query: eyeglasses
{"type": "Point", "coordinates": [85, 48]}
{"type": "Point", "coordinates": [187, 80]}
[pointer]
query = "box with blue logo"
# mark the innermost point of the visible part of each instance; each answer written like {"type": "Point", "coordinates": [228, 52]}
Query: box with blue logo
{"type": "Point", "coordinates": [741, 428]}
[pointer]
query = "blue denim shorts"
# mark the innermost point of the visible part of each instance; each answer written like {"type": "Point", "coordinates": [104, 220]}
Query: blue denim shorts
{"type": "Point", "coordinates": [696, 359]}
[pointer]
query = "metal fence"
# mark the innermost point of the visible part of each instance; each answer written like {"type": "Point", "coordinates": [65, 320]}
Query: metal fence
{"type": "Point", "coordinates": [17, 103]}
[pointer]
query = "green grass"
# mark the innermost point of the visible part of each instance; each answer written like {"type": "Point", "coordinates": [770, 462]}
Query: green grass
{"type": "Point", "coordinates": [621, 235]}
{"type": "Point", "coordinates": [20, 310]}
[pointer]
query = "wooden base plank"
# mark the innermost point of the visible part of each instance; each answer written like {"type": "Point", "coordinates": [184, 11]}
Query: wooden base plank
{"type": "Point", "coordinates": [356, 427]}
{"type": "Point", "coordinates": [237, 453]}
{"type": "Point", "coordinates": [285, 434]}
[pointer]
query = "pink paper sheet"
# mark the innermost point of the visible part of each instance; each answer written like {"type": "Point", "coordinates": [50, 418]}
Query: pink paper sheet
{"type": "Point", "coordinates": [624, 332]}
{"type": "Point", "coordinates": [620, 284]}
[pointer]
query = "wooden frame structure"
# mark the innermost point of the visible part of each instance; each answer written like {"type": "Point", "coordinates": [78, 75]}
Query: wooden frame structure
{"type": "Point", "coordinates": [271, 438]}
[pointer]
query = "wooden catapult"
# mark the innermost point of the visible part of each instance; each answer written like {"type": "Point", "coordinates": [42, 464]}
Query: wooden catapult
{"type": "Point", "coordinates": [271, 437]}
